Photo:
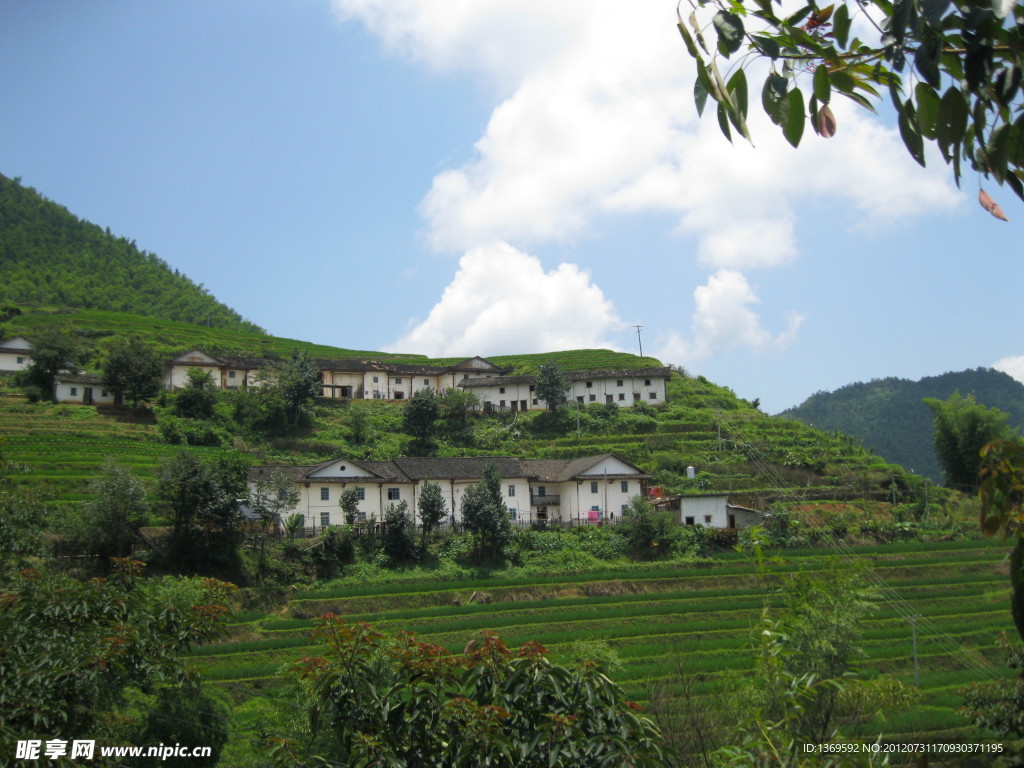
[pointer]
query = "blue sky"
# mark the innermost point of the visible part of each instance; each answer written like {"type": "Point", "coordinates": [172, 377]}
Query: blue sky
{"type": "Point", "coordinates": [459, 178]}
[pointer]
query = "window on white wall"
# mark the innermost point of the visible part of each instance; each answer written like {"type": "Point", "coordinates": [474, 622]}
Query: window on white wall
{"type": "Point", "coordinates": [511, 490]}
{"type": "Point", "coordinates": [593, 486]}
{"type": "Point", "coordinates": [361, 493]}
{"type": "Point", "coordinates": [394, 494]}
{"type": "Point", "coordinates": [325, 494]}
{"type": "Point", "coordinates": [74, 391]}
{"type": "Point", "coordinates": [707, 519]}
{"type": "Point", "coordinates": [624, 486]}
{"type": "Point", "coordinates": [325, 519]}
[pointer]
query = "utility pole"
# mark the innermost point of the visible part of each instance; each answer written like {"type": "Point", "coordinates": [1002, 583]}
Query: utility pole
{"type": "Point", "coordinates": [638, 341]}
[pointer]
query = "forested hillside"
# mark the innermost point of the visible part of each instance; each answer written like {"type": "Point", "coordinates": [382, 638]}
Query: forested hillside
{"type": "Point", "coordinates": [50, 257]}
{"type": "Point", "coordinates": [890, 417]}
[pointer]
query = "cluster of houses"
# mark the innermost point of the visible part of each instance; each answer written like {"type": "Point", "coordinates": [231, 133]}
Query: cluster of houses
{"type": "Point", "coordinates": [360, 379]}
{"type": "Point", "coordinates": [587, 490]}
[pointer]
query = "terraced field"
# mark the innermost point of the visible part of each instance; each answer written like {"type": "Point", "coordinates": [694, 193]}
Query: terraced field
{"type": "Point", "coordinates": [697, 618]}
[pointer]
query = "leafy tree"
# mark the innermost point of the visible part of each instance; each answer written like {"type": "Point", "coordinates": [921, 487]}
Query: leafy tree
{"type": "Point", "coordinates": [649, 532]}
{"type": "Point", "coordinates": [420, 415]}
{"type": "Point", "coordinates": [298, 380]}
{"type": "Point", "coordinates": [359, 423]}
{"type": "Point", "coordinates": [399, 542]}
{"type": "Point", "coordinates": [953, 72]}
{"type": "Point", "coordinates": [184, 714]}
{"type": "Point", "coordinates": [273, 495]}
{"type": "Point", "coordinates": [552, 386]}
{"type": "Point", "coordinates": [432, 509]}
{"type": "Point", "coordinates": [53, 351]}
{"type": "Point", "coordinates": [133, 369]}
{"type": "Point", "coordinates": [202, 499]}
{"type": "Point", "coordinates": [962, 428]}
{"type": "Point", "coordinates": [349, 503]}
{"type": "Point", "coordinates": [485, 516]}
{"type": "Point", "coordinates": [489, 706]}
{"type": "Point", "coordinates": [261, 410]}
{"type": "Point", "coordinates": [197, 398]}
{"type": "Point", "coordinates": [22, 515]}
{"type": "Point", "coordinates": [71, 649]}
{"type": "Point", "coordinates": [456, 403]}
{"type": "Point", "coordinates": [118, 509]}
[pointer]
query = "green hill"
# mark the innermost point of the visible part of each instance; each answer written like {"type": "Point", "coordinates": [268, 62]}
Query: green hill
{"type": "Point", "coordinates": [890, 417]}
{"type": "Point", "coordinates": [51, 258]}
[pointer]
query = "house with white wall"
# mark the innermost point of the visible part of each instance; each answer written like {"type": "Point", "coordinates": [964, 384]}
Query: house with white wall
{"type": "Point", "coordinates": [711, 510]}
{"type": "Point", "coordinates": [15, 354]}
{"type": "Point", "coordinates": [83, 388]}
{"type": "Point", "coordinates": [589, 489]}
{"type": "Point", "coordinates": [622, 387]}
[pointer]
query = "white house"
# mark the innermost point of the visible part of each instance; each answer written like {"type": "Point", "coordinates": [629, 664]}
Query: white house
{"type": "Point", "coordinates": [711, 510]}
{"type": "Point", "coordinates": [84, 388]}
{"type": "Point", "coordinates": [590, 489]}
{"type": "Point", "coordinates": [622, 387]}
{"type": "Point", "coordinates": [15, 354]}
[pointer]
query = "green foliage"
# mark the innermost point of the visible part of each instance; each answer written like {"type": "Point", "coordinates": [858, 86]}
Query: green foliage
{"type": "Point", "coordinates": [22, 516]}
{"type": "Point", "coordinates": [953, 73]}
{"type": "Point", "coordinates": [50, 257]}
{"type": "Point", "coordinates": [456, 403]}
{"type": "Point", "coordinates": [349, 503]}
{"type": "Point", "coordinates": [197, 398]}
{"type": "Point", "coordinates": [485, 516]}
{"type": "Point", "coordinates": [261, 411]}
{"type": "Point", "coordinates": [488, 706]}
{"type": "Point", "coordinates": [420, 415]}
{"type": "Point", "coordinates": [52, 352]}
{"type": "Point", "coordinates": [187, 715]}
{"type": "Point", "coordinates": [201, 500]}
{"type": "Point", "coordinates": [71, 649]}
{"type": "Point", "coordinates": [999, 706]}
{"type": "Point", "coordinates": [432, 510]}
{"type": "Point", "coordinates": [118, 509]}
{"type": "Point", "coordinates": [962, 429]}
{"type": "Point", "coordinates": [335, 550]}
{"type": "Point", "coordinates": [552, 386]}
{"type": "Point", "coordinates": [133, 368]}
{"type": "Point", "coordinates": [399, 539]}
{"type": "Point", "coordinates": [650, 533]}
{"type": "Point", "coordinates": [298, 381]}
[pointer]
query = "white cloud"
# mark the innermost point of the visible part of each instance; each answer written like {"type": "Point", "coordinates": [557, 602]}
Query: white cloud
{"type": "Point", "coordinates": [501, 301]}
{"type": "Point", "coordinates": [724, 318]}
{"type": "Point", "coordinates": [1014, 366]}
{"type": "Point", "coordinates": [594, 116]}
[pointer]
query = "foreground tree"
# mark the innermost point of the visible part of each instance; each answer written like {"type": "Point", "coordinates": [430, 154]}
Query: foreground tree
{"type": "Point", "coordinates": [399, 539]}
{"type": "Point", "coordinates": [952, 71]}
{"type": "Point", "coordinates": [198, 397]}
{"type": "Point", "coordinates": [420, 415]}
{"type": "Point", "coordinates": [401, 703]}
{"type": "Point", "coordinates": [962, 428]}
{"type": "Point", "coordinates": [133, 369]}
{"type": "Point", "coordinates": [349, 503]}
{"type": "Point", "coordinates": [298, 381]}
{"type": "Point", "coordinates": [72, 649]}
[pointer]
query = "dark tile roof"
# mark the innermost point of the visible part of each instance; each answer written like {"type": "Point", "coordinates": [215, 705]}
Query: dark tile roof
{"type": "Point", "coordinates": [90, 379]}
{"type": "Point", "coordinates": [625, 373]}
{"type": "Point", "coordinates": [465, 468]}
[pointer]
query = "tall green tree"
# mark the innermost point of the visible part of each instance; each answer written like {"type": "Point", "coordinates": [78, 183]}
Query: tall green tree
{"type": "Point", "coordinates": [118, 509]}
{"type": "Point", "coordinates": [53, 351]}
{"type": "Point", "coordinates": [132, 368]}
{"type": "Point", "coordinates": [197, 398]}
{"type": "Point", "coordinates": [298, 380]}
{"type": "Point", "coordinates": [274, 494]}
{"type": "Point", "coordinates": [399, 540]}
{"type": "Point", "coordinates": [485, 516]}
{"type": "Point", "coordinates": [552, 386]}
{"type": "Point", "coordinates": [962, 428]}
{"type": "Point", "coordinates": [432, 510]}
{"type": "Point", "coordinates": [201, 499]}
{"type": "Point", "coordinates": [349, 503]}
{"type": "Point", "coordinates": [420, 415]}
{"type": "Point", "coordinates": [952, 72]}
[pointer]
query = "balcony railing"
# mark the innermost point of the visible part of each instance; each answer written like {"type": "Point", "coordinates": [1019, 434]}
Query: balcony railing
{"type": "Point", "coordinates": [548, 500]}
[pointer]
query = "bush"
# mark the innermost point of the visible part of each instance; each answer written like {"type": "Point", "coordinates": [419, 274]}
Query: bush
{"type": "Point", "coordinates": [181, 431]}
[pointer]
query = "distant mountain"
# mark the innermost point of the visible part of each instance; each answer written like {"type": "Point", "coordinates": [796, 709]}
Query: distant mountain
{"type": "Point", "coordinates": [890, 417]}
{"type": "Point", "coordinates": [49, 257]}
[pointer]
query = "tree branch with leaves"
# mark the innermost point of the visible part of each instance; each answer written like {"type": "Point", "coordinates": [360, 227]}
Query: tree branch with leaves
{"type": "Point", "coordinates": [952, 71]}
